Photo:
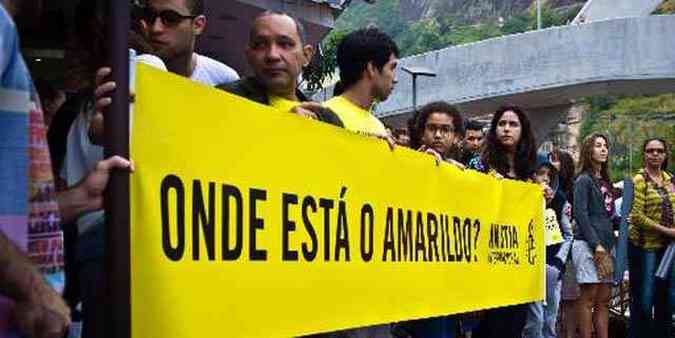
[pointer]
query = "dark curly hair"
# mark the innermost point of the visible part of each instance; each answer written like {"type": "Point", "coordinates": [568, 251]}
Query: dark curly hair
{"type": "Point", "coordinates": [422, 115]}
{"type": "Point", "coordinates": [494, 153]}
{"type": "Point", "coordinates": [361, 47]}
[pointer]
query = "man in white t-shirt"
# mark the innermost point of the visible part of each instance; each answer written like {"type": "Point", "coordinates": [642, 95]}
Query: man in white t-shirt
{"type": "Point", "coordinates": [172, 27]}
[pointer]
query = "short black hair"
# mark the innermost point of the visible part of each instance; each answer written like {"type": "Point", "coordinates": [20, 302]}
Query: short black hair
{"type": "Point", "coordinates": [339, 88]}
{"type": "Point", "coordinates": [421, 117]}
{"type": "Point", "coordinates": [196, 7]}
{"type": "Point", "coordinates": [298, 25]}
{"type": "Point", "coordinates": [474, 125]}
{"type": "Point", "coordinates": [361, 47]}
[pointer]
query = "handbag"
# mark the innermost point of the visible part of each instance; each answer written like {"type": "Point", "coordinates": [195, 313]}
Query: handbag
{"type": "Point", "coordinates": [604, 264]}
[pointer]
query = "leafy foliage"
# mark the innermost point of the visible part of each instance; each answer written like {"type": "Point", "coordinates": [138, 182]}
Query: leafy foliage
{"type": "Point", "coordinates": [423, 35]}
{"type": "Point", "coordinates": [667, 7]}
{"type": "Point", "coordinates": [629, 121]}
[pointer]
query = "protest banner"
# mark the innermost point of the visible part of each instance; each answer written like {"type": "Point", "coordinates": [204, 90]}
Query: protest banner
{"type": "Point", "coordinates": [251, 222]}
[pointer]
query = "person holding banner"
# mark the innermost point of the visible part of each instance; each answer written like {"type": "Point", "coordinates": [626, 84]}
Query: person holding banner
{"type": "Point", "coordinates": [367, 59]}
{"type": "Point", "coordinates": [592, 251]}
{"type": "Point", "coordinates": [651, 230]}
{"type": "Point", "coordinates": [509, 152]}
{"type": "Point", "coordinates": [436, 129]}
{"type": "Point", "coordinates": [277, 52]}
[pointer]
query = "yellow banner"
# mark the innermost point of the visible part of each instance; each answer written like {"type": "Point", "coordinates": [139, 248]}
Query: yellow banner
{"type": "Point", "coordinates": [250, 222]}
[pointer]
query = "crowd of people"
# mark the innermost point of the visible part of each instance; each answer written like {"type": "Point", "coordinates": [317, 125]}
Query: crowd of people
{"type": "Point", "coordinates": [581, 217]}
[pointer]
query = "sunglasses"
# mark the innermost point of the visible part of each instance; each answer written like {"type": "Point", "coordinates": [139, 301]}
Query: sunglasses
{"type": "Point", "coordinates": [167, 16]}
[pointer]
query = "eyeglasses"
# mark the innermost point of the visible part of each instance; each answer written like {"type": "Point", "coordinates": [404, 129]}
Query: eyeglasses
{"type": "Point", "coordinates": [444, 129]}
{"type": "Point", "coordinates": [657, 151]}
{"type": "Point", "coordinates": [169, 17]}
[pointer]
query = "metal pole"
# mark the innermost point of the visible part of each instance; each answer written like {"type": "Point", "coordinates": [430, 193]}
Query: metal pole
{"type": "Point", "coordinates": [538, 14]}
{"type": "Point", "coordinates": [630, 157]}
{"type": "Point", "coordinates": [117, 245]}
{"type": "Point", "coordinates": [414, 81]}
{"type": "Point", "coordinates": [609, 127]}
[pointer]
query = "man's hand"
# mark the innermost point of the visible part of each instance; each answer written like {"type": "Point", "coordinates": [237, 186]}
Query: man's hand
{"type": "Point", "coordinates": [95, 183]}
{"type": "Point", "coordinates": [103, 89]}
{"type": "Point", "coordinates": [391, 141]}
{"type": "Point", "coordinates": [308, 109]}
{"type": "Point", "coordinates": [45, 316]}
{"type": "Point", "coordinates": [433, 153]}
{"type": "Point", "coordinates": [39, 311]}
{"type": "Point", "coordinates": [102, 100]}
{"type": "Point", "coordinates": [548, 193]}
{"type": "Point", "coordinates": [459, 165]}
{"type": "Point", "coordinates": [87, 195]}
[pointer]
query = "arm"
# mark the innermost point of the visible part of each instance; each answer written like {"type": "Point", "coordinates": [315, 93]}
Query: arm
{"type": "Point", "coordinates": [638, 217]}
{"type": "Point", "coordinates": [87, 195]}
{"type": "Point", "coordinates": [582, 192]}
{"type": "Point", "coordinates": [19, 279]}
{"type": "Point", "coordinates": [39, 311]}
{"type": "Point", "coordinates": [566, 228]}
{"type": "Point", "coordinates": [328, 116]}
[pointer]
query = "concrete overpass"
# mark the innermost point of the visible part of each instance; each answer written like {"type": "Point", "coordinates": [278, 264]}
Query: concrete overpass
{"type": "Point", "coordinates": [544, 71]}
{"type": "Point", "coordinates": [596, 10]}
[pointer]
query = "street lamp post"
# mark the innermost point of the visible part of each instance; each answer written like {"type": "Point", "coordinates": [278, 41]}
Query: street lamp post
{"type": "Point", "coordinates": [415, 72]}
{"type": "Point", "coordinates": [538, 14]}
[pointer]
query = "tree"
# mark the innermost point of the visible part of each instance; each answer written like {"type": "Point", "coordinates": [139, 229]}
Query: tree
{"type": "Point", "coordinates": [322, 67]}
{"type": "Point", "coordinates": [421, 36]}
{"type": "Point", "coordinates": [516, 24]}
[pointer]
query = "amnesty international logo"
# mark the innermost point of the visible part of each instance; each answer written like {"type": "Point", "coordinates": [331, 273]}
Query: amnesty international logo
{"type": "Point", "coordinates": [531, 247]}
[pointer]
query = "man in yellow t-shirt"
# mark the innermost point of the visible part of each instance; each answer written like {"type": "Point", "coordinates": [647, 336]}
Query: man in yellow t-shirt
{"type": "Point", "coordinates": [367, 59]}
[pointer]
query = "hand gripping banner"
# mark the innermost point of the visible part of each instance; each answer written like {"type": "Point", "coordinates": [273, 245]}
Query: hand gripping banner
{"type": "Point", "coordinates": [251, 222]}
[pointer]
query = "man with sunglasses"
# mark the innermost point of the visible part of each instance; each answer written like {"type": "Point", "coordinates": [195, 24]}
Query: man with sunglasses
{"type": "Point", "coordinates": [172, 27]}
{"type": "Point", "coordinates": [277, 52]}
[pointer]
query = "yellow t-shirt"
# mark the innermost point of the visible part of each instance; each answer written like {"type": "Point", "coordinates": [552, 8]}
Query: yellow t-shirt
{"type": "Point", "coordinates": [285, 105]}
{"type": "Point", "coordinates": [355, 118]}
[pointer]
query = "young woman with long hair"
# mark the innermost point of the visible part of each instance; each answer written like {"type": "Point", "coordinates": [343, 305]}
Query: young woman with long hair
{"type": "Point", "coordinates": [594, 239]}
{"type": "Point", "coordinates": [509, 152]}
